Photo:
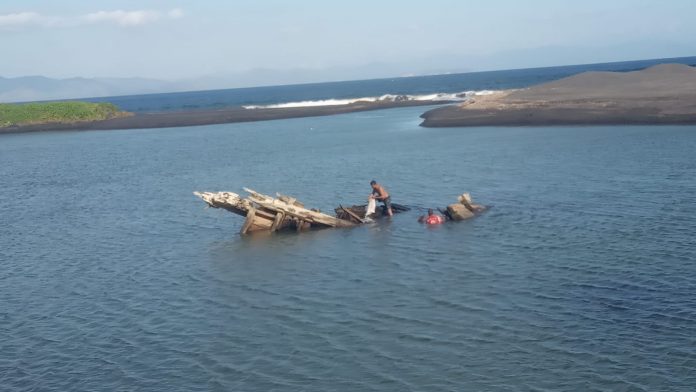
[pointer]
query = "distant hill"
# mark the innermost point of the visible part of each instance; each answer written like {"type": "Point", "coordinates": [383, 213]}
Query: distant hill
{"type": "Point", "coordinates": [40, 88]}
{"type": "Point", "coordinates": [664, 80]}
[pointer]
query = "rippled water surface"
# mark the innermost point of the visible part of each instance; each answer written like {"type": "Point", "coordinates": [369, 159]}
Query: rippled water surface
{"type": "Point", "coordinates": [114, 277]}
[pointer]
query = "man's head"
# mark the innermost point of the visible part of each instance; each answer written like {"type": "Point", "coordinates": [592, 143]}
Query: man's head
{"type": "Point", "coordinates": [430, 211]}
{"type": "Point", "coordinates": [373, 183]}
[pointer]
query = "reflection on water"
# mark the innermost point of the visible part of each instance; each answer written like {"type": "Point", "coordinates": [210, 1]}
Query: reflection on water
{"type": "Point", "coordinates": [114, 277]}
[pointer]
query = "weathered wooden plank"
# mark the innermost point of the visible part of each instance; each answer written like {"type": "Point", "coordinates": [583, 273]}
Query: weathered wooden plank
{"type": "Point", "coordinates": [251, 215]}
{"type": "Point", "coordinates": [227, 200]}
{"type": "Point", "coordinates": [313, 217]}
{"type": "Point", "coordinates": [279, 218]}
{"type": "Point", "coordinates": [289, 199]}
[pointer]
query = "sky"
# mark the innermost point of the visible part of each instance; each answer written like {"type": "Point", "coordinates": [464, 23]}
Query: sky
{"type": "Point", "coordinates": [335, 40]}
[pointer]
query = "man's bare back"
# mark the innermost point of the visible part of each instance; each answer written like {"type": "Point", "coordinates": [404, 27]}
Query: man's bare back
{"type": "Point", "coordinates": [381, 194]}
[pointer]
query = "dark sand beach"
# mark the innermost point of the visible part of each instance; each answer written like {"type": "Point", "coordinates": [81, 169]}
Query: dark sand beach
{"type": "Point", "coordinates": [217, 116]}
{"type": "Point", "coordinates": [663, 94]}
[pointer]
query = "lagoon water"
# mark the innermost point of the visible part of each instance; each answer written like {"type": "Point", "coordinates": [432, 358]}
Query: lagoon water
{"type": "Point", "coordinates": [114, 277]}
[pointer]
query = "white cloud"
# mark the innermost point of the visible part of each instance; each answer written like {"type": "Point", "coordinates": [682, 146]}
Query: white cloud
{"type": "Point", "coordinates": [25, 19]}
{"type": "Point", "coordinates": [118, 17]}
{"type": "Point", "coordinates": [19, 18]}
{"type": "Point", "coordinates": [123, 18]}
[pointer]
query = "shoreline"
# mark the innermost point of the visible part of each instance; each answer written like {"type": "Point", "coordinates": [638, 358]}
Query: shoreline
{"type": "Point", "coordinates": [647, 114]}
{"type": "Point", "coordinates": [660, 95]}
{"type": "Point", "coordinates": [217, 116]}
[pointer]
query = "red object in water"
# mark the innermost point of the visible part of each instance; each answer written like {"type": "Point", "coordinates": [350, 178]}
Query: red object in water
{"type": "Point", "coordinates": [434, 220]}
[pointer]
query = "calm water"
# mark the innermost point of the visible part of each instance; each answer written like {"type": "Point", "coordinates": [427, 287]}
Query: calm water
{"type": "Point", "coordinates": [114, 277]}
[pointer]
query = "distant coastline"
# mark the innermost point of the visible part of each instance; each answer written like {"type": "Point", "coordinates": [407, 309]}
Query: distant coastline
{"type": "Point", "coordinates": [217, 116]}
{"type": "Point", "coordinates": [662, 94]}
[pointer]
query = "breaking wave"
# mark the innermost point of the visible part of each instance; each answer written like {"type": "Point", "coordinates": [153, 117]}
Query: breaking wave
{"type": "Point", "coordinates": [435, 97]}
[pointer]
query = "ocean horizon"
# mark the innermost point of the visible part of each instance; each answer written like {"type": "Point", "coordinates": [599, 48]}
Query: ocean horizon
{"type": "Point", "coordinates": [341, 92]}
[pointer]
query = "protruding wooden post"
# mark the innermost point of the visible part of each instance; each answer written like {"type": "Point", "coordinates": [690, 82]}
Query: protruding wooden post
{"type": "Point", "coordinates": [300, 224]}
{"type": "Point", "coordinates": [352, 214]}
{"type": "Point", "coordinates": [278, 220]}
{"type": "Point", "coordinates": [251, 214]}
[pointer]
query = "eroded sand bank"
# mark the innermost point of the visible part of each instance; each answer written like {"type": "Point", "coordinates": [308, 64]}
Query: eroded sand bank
{"type": "Point", "coordinates": [663, 94]}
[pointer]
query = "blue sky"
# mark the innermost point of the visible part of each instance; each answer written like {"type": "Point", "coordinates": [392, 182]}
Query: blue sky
{"type": "Point", "coordinates": [341, 40]}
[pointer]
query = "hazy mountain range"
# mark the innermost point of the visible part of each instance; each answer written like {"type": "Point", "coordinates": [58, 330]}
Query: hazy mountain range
{"type": "Point", "coordinates": [34, 88]}
{"type": "Point", "coordinates": [37, 88]}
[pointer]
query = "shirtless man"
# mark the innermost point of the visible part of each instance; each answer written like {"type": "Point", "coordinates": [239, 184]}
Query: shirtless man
{"type": "Point", "coordinates": [381, 194]}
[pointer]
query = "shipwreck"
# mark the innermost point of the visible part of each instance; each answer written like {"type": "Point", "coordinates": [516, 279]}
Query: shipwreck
{"type": "Point", "coordinates": [285, 213]}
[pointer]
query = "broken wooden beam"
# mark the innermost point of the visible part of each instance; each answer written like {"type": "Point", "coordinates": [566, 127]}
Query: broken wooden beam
{"type": "Point", "coordinates": [279, 218]}
{"type": "Point", "coordinates": [293, 210]}
{"type": "Point", "coordinates": [227, 200]}
{"type": "Point", "coordinates": [352, 214]}
{"type": "Point", "coordinates": [249, 221]}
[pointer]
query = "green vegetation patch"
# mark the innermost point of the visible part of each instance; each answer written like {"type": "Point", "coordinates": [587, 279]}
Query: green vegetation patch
{"type": "Point", "coordinates": [12, 114]}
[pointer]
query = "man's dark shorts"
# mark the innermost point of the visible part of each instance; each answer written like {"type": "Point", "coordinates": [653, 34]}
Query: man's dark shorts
{"type": "Point", "coordinates": [387, 203]}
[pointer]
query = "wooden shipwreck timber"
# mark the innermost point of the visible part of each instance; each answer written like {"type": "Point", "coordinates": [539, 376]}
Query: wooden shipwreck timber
{"type": "Point", "coordinates": [267, 213]}
{"type": "Point", "coordinates": [271, 214]}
